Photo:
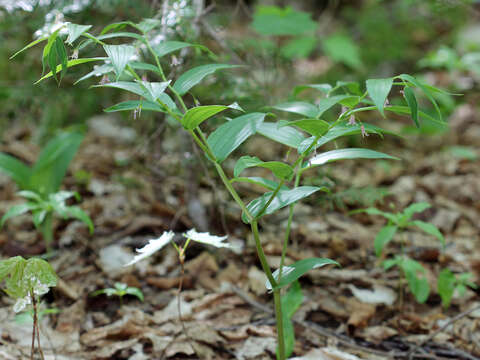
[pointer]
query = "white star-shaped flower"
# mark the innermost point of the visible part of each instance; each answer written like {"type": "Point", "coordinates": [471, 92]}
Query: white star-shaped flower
{"type": "Point", "coordinates": [152, 247]}
{"type": "Point", "coordinates": [206, 238]}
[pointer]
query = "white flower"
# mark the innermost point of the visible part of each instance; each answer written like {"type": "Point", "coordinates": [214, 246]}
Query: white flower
{"type": "Point", "coordinates": [153, 246]}
{"type": "Point", "coordinates": [206, 238]}
{"type": "Point", "coordinates": [285, 271]}
{"type": "Point", "coordinates": [22, 303]}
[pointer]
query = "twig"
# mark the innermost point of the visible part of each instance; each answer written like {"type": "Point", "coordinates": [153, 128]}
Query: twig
{"type": "Point", "coordinates": [438, 331]}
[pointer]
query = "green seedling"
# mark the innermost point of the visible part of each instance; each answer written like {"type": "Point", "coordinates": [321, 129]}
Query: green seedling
{"type": "Point", "coordinates": [120, 290]}
{"type": "Point", "coordinates": [302, 128]}
{"type": "Point", "coordinates": [28, 316]}
{"type": "Point", "coordinates": [449, 283]}
{"type": "Point", "coordinates": [40, 184]}
{"type": "Point", "coordinates": [397, 224]}
{"type": "Point", "coordinates": [25, 282]}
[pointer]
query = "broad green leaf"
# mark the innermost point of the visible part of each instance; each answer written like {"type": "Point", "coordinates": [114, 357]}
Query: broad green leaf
{"type": "Point", "coordinates": [119, 55]}
{"type": "Point", "coordinates": [135, 104]}
{"type": "Point", "coordinates": [418, 285]}
{"type": "Point", "coordinates": [327, 103]}
{"type": "Point", "coordinates": [193, 76]}
{"type": "Point", "coordinates": [378, 89]}
{"type": "Point", "coordinates": [77, 213]}
{"type": "Point", "coordinates": [299, 47]}
{"type": "Point", "coordinates": [15, 169]}
{"type": "Point", "coordinates": [409, 96]}
{"type": "Point", "coordinates": [285, 135]}
{"type": "Point", "coordinates": [230, 135]}
{"type": "Point", "coordinates": [291, 302]}
{"type": "Point", "coordinates": [416, 208]}
{"type": "Point", "coordinates": [299, 107]}
{"type": "Point", "coordinates": [47, 49]}
{"type": "Point", "coordinates": [33, 43]}
{"type": "Point", "coordinates": [138, 65]}
{"type": "Point", "coordinates": [37, 269]}
{"type": "Point", "coordinates": [273, 20]}
{"type": "Point", "coordinates": [266, 183]}
{"type": "Point", "coordinates": [57, 55]}
{"type": "Point", "coordinates": [70, 63]}
{"type": "Point", "coordinates": [293, 272]}
{"type": "Point", "coordinates": [315, 127]}
{"type": "Point", "coordinates": [7, 266]}
{"type": "Point", "coordinates": [154, 89]}
{"type": "Point", "coordinates": [446, 286]}
{"type": "Point", "coordinates": [134, 292]}
{"type": "Point", "coordinates": [17, 210]}
{"type": "Point", "coordinates": [342, 49]}
{"type": "Point", "coordinates": [283, 198]}
{"type": "Point", "coordinates": [279, 169]}
{"type": "Point", "coordinates": [384, 236]}
{"type": "Point", "coordinates": [167, 47]}
{"type": "Point", "coordinates": [430, 229]}
{"type": "Point", "coordinates": [346, 154]}
{"type": "Point", "coordinates": [422, 87]}
{"type": "Point", "coordinates": [195, 116]}
{"type": "Point", "coordinates": [75, 31]}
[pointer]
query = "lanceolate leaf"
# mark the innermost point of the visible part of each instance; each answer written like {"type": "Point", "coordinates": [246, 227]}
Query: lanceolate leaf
{"type": "Point", "coordinates": [155, 89]}
{"type": "Point", "coordinates": [283, 198]}
{"type": "Point", "coordinates": [33, 43]}
{"type": "Point", "coordinates": [412, 104]}
{"type": "Point", "coordinates": [193, 76]}
{"type": "Point", "coordinates": [229, 136]}
{"type": "Point", "coordinates": [430, 229]}
{"type": "Point", "coordinates": [384, 236]}
{"type": "Point", "coordinates": [285, 135]}
{"type": "Point", "coordinates": [75, 31]}
{"type": "Point", "coordinates": [69, 64]}
{"type": "Point", "coordinates": [135, 104]}
{"type": "Point", "coordinates": [327, 103]}
{"type": "Point", "coordinates": [299, 107]}
{"type": "Point", "coordinates": [344, 154]}
{"type": "Point", "coordinates": [18, 210]}
{"type": "Point", "coordinates": [119, 55]}
{"type": "Point", "coordinates": [279, 169]}
{"type": "Point", "coordinates": [378, 89]}
{"type": "Point", "coordinates": [291, 301]}
{"type": "Point", "coordinates": [195, 116]}
{"type": "Point", "coordinates": [416, 208]}
{"type": "Point", "coordinates": [315, 127]}
{"type": "Point", "coordinates": [18, 171]}
{"type": "Point", "coordinates": [168, 47]}
{"type": "Point", "coordinates": [293, 272]}
{"type": "Point", "coordinates": [266, 183]}
{"type": "Point", "coordinates": [422, 87]}
{"type": "Point", "coordinates": [398, 109]}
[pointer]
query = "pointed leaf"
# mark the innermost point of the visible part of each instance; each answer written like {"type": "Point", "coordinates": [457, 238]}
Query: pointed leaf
{"type": "Point", "coordinates": [69, 64]}
{"type": "Point", "coordinates": [299, 107]}
{"type": "Point", "coordinates": [77, 213]}
{"type": "Point", "coordinates": [18, 210]}
{"type": "Point", "coordinates": [315, 127]}
{"type": "Point", "coordinates": [119, 55]}
{"type": "Point", "coordinates": [75, 31]}
{"type": "Point", "coordinates": [168, 47]}
{"type": "Point", "coordinates": [229, 136]}
{"type": "Point", "coordinates": [327, 103]}
{"type": "Point", "coordinates": [283, 198]}
{"type": "Point", "coordinates": [430, 229]}
{"type": "Point", "coordinates": [285, 135]}
{"type": "Point", "coordinates": [135, 104]}
{"type": "Point", "coordinates": [33, 43]}
{"type": "Point", "coordinates": [279, 169]}
{"type": "Point", "coordinates": [193, 76]}
{"type": "Point", "coordinates": [421, 86]}
{"type": "Point", "coordinates": [15, 169]}
{"type": "Point", "coordinates": [147, 25]}
{"type": "Point", "coordinates": [384, 236]}
{"type": "Point", "coordinates": [416, 208]}
{"type": "Point", "coordinates": [291, 302]}
{"type": "Point", "coordinates": [134, 292]}
{"type": "Point", "coordinates": [346, 154]}
{"type": "Point", "coordinates": [324, 88]}
{"type": "Point", "coordinates": [195, 116]}
{"type": "Point", "coordinates": [409, 96]}
{"type": "Point", "coordinates": [266, 183]}
{"type": "Point", "coordinates": [154, 89]}
{"type": "Point", "coordinates": [378, 89]}
{"type": "Point", "coordinates": [446, 286]}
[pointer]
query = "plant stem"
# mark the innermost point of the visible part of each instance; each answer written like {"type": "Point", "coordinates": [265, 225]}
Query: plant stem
{"type": "Point", "coordinates": [279, 320]}
{"type": "Point", "coordinates": [46, 228]}
{"type": "Point", "coordinates": [34, 328]}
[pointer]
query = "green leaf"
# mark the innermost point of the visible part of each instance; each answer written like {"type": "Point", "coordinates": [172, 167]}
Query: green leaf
{"type": "Point", "coordinates": [418, 285]}
{"type": "Point", "coordinates": [285, 135]}
{"type": "Point", "coordinates": [273, 20]}
{"type": "Point", "coordinates": [299, 47]}
{"type": "Point", "coordinates": [168, 47]}
{"type": "Point", "coordinates": [378, 89]}
{"type": "Point", "coordinates": [347, 154]}
{"type": "Point", "coordinates": [446, 286]}
{"type": "Point", "coordinates": [374, 211]}
{"type": "Point", "coordinates": [283, 198]}
{"type": "Point", "coordinates": [266, 183]}
{"type": "Point", "coordinates": [39, 269]}
{"type": "Point", "coordinates": [135, 104]}
{"type": "Point", "coordinates": [33, 43]}
{"type": "Point", "coordinates": [409, 96]}
{"type": "Point", "coordinates": [299, 107]}
{"type": "Point", "coordinates": [30, 195]}
{"type": "Point", "coordinates": [15, 169]}
{"type": "Point", "coordinates": [75, 31]}
{"type": "Point", "coordinates": [130, 86]}
{"type": "Point", "coordinates": [38, 216]}
{"type": "Point", "coordinates": [147, 25]}
{"type": "Point", "coordinates": [154, 89]}
{"type": "Point", "coordinates": [327, 103]}
{"type": "Point", "coordinates": [18, 210]}
{"type": "Point", "coordinates": [135, 292]}
{"type": "Point", "coordinates": [279, 169]}
{"type": "Point", "coordinates": [229, 136]}
{"type": "Point", "coordinates": [430, 229]}
{"type": "Point", "coordinates": [77, 213]}
{"type": "Point", "coordinates": [324, 88]}
{"type": "Point", "coordinates": [47, 49]}
{"type": "Point", "coordinates": [342, 49]}
{"type": "Point", "coordinates": [193, 76]}
{"type": "Point", "coordinates": [416, 208]}
{"type": "Point", "coordinates": [195, 116]}
{"type": "Point", "coordinates": [120, 56]}
{"type": "Point", "coordinates": [122, 34]}
{"type": "Point", "coordinates": [405, 110]}
{"type": "Point", "coordinates": [291, 302]}
{"type": "Point", "coordinates": [69, 64]}
{"type": "Point", "coordinates": [315, 127]}
{"type": "Point", "coordinates": [293, 272]}
{"type": "Point", "coordinates": [138, 65]}
{"type": "Point", "coordinates": [384, 236]}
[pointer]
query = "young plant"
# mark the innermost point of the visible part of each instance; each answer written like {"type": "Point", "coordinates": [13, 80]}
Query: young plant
{"type": "Point", "coordinates": [301, 135]}
{"type": "Point", "coordinates": [397, 224]}
{"type": "Point", "coordinates": [448, 284]}
{"type": "Point", "coordinates": [41, 182]}
{"type": "Point", "coordinates": [120, 290]}
{"type": "Point", "coordinates": [25, 282]}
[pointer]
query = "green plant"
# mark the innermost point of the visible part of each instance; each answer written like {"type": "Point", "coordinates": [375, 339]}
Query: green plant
{"type": "Point", "coordinates": [398, 223]}
{"type": "Point", "coordinates": [25, 282]}
{"type": "Point", "coordinates": [302, 135]}
{"type": "Point", "coordinates": [40, 184]}
{"type": "Point", "coordinates": [120, 290]}
{"type": "Point", "coordinates": [448, 283]}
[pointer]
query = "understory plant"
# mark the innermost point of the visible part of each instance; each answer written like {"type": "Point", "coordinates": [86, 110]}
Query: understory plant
{"type": "Point", "coordinates": [449, 283]}
{"type": "Point", "coordinates": [120, 290]}
{"type": "Point", "coordinates": [40, 184]}
{"type": "Point", "coordinates": [25, 282]}
{"type": "Point", "coordinates": [301, 127]}
{"type": "Point", "coordinates": [397, 224]}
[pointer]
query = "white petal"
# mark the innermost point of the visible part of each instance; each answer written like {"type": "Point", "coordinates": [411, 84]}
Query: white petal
{"type": "Point", "coordinates": [153, 246]}
{"type": "Point", "coordinates": [285, 271]}
{"type": "Point", "coordinates": [207, 238]}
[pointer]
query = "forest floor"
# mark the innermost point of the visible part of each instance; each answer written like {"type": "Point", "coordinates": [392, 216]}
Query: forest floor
{"type": "Point", "coordinates": [357, 311]}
